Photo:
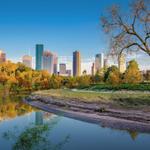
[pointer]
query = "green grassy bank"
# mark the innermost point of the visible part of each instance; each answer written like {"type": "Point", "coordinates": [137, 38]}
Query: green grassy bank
{"type": "Point", "coordinates": [129, 87]}
{"type": "Point", "coordinates": [118, 98]}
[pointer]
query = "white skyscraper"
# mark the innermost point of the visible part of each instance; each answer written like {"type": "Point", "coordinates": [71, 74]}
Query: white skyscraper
{"type": "Point", "coordinates": [99, 61]}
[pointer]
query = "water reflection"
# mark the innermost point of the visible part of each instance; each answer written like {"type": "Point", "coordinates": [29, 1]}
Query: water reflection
{"type": "Point", "coordinates": [33, 136]}
{"type": "Point", "coordinates": [36, 136]}
{"type": "Point", "coordinates": [25, 128]}
{"type": "Point", "coordinates": [133, 135]}
{"type": "Point", "coordinates": [11, 107]}
{"type": "Point", "coordinates": [39, 118]}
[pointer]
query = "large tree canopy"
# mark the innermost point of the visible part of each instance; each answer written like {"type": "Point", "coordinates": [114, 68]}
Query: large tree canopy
{"type": "Point", "coordinates": [131, 30]}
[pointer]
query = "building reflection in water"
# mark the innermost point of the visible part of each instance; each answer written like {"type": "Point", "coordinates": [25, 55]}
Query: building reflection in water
{"type": "Point", "coordinates": [39, 118]}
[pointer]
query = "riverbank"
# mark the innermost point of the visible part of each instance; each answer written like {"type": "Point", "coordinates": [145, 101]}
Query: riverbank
{"type": "Point", "coordinates": [98, 107]}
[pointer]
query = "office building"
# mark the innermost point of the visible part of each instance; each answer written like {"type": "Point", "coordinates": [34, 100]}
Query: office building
{"type": "Point", "coordinates": [27, 60]}
{"type": "Point", "coordinates": [122, 63]}
{"type": "Point", "coordinates": [62, 69]}
{"type": "Point", "coordinates": [93, 69]}
{"type": "Point", "coordinates": [68, 72]}
{"type": "Point", "coordinates": [39, 56]}
{"type": "Point", "coordinates": [99, 62]}
{"type": "Point", "coordinates": [76, 63]}
{"type": "Point", "coordinates": [2, 57]}
{"type": "Point", "coordinates": [106, 63]}
{"type": "Point", "coordinates": [55, 64]}
{"type": "Point", "coordinates": [48, 61]}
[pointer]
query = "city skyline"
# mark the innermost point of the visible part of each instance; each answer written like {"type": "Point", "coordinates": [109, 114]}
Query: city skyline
{"type": "Point", "coordinates": [86, 62]}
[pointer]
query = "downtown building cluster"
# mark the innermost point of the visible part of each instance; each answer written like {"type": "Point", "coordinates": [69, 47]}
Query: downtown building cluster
{"type": "Point", "coordinates": [47, 60]}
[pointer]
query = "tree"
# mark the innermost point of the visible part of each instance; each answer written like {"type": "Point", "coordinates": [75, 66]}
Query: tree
{"type": "Point", "coordinates": [3, 78]}
{"type": "Point", "coordinates": [55, 82]}
{"type": "Point", "coordinates": [98, 77]}
{"type": "Point", "coordinates": [113, 75]}
{"type": "Point", "coordinates": [84, 80]}
{"type": "Point", "coordinates": [84, 72]}
{"type": "Point", "coordinates": [71, 82]}
{"type": "Point", "coordinates": [132, 74]}
{"type": "Point", "coordinates": [129, 31]}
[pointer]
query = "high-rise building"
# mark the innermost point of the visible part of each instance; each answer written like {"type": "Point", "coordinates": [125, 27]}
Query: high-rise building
{"type": "Point", "coordinates": [76, 63]}
{"type": "Point", "coordinates": [93, 69]}
{"type": "Point", "coordinates": [122, 63]}
{"type": "Point", "coordinates": [55, 64]}
{"type": "Point", "coordinates": [106, 63]}
{"type": "Point", "coordinates": [99, 61]}
{"type": "Point", "coordinates": [68, 72]}
{"type": "Point", "coordinates": [48, 61]}
{"type": "Point", "coordinates": [2, 57]}
{"type": "Point", "coordinates": [62, 69]}
{"type": "Point", "coordinates": [27, 60]}
{"type": "Point", "coordinates": [39, 56]}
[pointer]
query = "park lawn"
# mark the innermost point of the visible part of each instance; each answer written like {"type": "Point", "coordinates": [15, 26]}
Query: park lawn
{"type": "Point", "coordinates": [120, 98]}
{"type": "Point", "coordinates": [128, 87]}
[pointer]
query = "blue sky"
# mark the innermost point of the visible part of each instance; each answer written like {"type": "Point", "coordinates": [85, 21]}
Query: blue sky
{"type": "Point", "coordinates": [61, 25]}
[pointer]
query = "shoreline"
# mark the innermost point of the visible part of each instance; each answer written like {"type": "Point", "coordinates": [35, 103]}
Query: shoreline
{"type": "Point", "coordinates": [99, 113]}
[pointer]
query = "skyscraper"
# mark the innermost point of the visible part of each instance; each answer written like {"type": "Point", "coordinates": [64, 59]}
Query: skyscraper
{"type": "Point", "coordinates": [76, 63]}
{"type": "Point", "coordinates": [106, 63]}
{"type": "Point", "coordinates": [55, 64]}
{"type": "Point", "coordinates": [48, 61]}
{"type": "Point", "coordinates": [68, 72]}
{"type": "Point", "coordinates": [122, 63]}
{"type": "Point", "coordinates": [39, 54]}
{"type": "Point", "coordinates": [2, 56]}
{"type": "Point", "coordinates": [99, 61]}
{"type": "Point", "coordinates": [62, 69]}
{"type": "Point", "coordinates": [93, 69]}
{"type": "Point", "coordinates": [27, 60]}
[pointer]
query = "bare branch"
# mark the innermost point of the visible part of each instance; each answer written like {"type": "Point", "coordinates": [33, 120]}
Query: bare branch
{"type": "Point", "coordinates": [132, 32]}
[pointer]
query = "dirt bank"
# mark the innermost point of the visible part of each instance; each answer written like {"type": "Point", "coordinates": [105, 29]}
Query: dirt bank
{"type": "Point", "coordinates": [105, 114]}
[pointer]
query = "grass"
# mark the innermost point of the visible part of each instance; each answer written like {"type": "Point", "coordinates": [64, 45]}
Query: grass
{"type": "Point", "coordinates": [118, 98]}
{"type": "Point", "coordinates": [129, 87]}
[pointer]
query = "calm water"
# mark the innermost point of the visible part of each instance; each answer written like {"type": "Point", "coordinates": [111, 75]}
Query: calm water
{"type": "Point", "coordinates": [23, 128]}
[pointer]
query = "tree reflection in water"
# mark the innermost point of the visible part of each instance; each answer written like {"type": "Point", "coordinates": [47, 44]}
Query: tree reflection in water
{"type": "Point", "coordinates": [36, 137]}
{"type": "Point", "coordinates": [133, 134]}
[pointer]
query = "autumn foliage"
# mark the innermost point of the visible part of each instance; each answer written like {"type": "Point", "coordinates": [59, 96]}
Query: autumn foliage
{"type": "Point", "coordinates": [18, 77]}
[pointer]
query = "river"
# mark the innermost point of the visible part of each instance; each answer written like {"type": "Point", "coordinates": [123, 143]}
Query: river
{"type": "Point", "coordinates": [23, 127]}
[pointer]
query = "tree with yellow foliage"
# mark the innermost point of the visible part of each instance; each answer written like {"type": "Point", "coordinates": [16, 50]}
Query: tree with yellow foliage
{"type": "Point", "coordinates": [132, 74]}
{"type": "Point", "coordinates": [112, 75]}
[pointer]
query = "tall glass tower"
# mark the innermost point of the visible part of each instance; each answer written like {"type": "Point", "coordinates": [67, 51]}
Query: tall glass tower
{"type": "Point", "coordinates": [39, 55]}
